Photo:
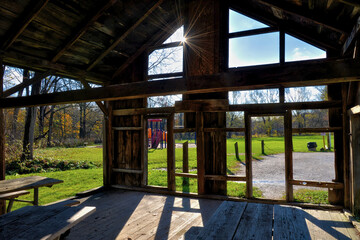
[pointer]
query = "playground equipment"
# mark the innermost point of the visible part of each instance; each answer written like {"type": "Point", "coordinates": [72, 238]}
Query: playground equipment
{"type": "Point", "coordinates": [157, 134]}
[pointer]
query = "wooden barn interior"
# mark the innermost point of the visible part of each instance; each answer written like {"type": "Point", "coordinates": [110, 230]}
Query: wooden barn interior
{"type": "Point", "coordinates": [108, 43]}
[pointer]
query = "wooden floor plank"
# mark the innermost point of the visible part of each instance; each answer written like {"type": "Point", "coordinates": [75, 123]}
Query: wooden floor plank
{"type": "Point", "coordinates": [289, 223]}
{"type": "Point", "coordinates": [256, 222]}
{"type": "Point", "coordinates": [195, 222]}
{"type": "Point", "coordinates": [342, 225]}
{"type": "Point", "coordinates": [224, 221]}
{"type": "Point", "coordinates": [138, 215]}
{"type": "Point", "coordinates": [317, 222]}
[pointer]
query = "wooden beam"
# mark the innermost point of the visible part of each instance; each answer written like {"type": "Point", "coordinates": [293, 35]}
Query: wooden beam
{"type": "Point", "coordinates": [305, 183]}
{"type": "Point", "coordinates": [100, 104]}
{"type": "Point", "coordinates": [352, 38]}
{"type": "Point", "coordinates": [124, 35]}
{"type": "Point", "coordinates": [38, 64]}
{"type": "Point", "coordinates": [33, 80]}
{"type": "Point", "coordinates": [307, 15]}
{"type": "Point", "coordinates": [84, 26]}
{"type": "Point", "coordinates": [253, 32]}
{"type": "Point", "coordinates": [30, 12]}
{"type": "Point", "coordinates": [290, 75]}
{"type": "Point", "coordinates": [156, 39]}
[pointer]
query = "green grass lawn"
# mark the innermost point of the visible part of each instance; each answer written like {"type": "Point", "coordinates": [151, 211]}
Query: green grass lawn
{"type": "Point", "coordinates": [91, 154]}
{"type": "Point", "coordinates": [79, 180]}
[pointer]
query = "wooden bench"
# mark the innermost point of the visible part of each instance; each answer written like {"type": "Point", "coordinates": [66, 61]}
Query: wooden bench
{"type": "Point", "coordinates": [42, 222]}
{"type": "Point", "coordinates": [11, 197]}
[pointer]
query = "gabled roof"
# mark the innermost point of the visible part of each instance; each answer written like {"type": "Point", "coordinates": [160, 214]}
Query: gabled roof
{"type": "Point", "coordinates": [95, 39]}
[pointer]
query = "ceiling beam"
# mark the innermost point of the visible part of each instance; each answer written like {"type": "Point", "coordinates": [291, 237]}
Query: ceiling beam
{"type": "Point", "coordinates": [155, 40]}
{"type": "Point", "coordinates": [124, 35]}
{"type": "Point", "coordinates": [33, 80]}
{"type": "Point", "coordinates": [30, 12]}
{"type": "Point", "coordinates": [84, 26]}
{"type": "Point", "coordinates": [352, 38]}
{"type": "Point", "coordinates": [354, 3]}
{"type": "Point", "coordinates": [305, 73]}
{"type": "Point", "coordinates": [308, 15]}
{"type": "Point", "coordinates": [38, 64]}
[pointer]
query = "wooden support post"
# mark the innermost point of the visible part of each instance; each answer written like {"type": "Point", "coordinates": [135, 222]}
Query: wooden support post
{"type": "Point", "coordinates": [171, 154]}
{"type": "Point", "coordinates": [144, 151]}
{"type": "Point", "coordinates": [108, 146]}
{"type": "Point", "coordinates": [186, 161]}
{"type": "Point", "coordinates": [248, 156]}
{"type": "Point", "coordinates": [186, 157]}
{"type": "Point", "coordinates": [200, 152]}
{"type": "Point", "coordinates": [237, 151]}
{"type": "Point", "coordinates": [282, 95]}
{"type": "Point", "coordinates": [288, 156]}
{"type": "Point", "coordinates": [345, 122]}
{"type": "Point", "coordinates": [355, 163]}
{"type": "Point", "coordinates": [336, 196]}
{"type": "Point", "coordinates": [36, 197]}
{"type": "Point", "coordinates": [2, 136]}
{"type": "Point", "coordinates": [262, 147]}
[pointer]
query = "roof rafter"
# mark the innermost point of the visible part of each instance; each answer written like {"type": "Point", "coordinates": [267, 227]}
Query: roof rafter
{"type": "Point", "coordinates": [124, 35]}
{"type": "Point", "coordinates": [38, 64]}
{"type": "Point", "coordinates": [354, 3]}
{"type": "Point", "coordinates": [353, 36]}
{"type": "Point", "coordinates": [20, 25]}
{"type": "Point", "coordinates": [321, 20]}
{"type": "Point", "coordinates": [84, 26]}
{"type": "Point", "coordinates": [305, 73]}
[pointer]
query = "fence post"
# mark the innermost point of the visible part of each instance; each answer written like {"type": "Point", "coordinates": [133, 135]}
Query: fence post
{"type": "Point", "coordinates": [262, 147]}
{"type": "Point", "coordinates": [237, 151]}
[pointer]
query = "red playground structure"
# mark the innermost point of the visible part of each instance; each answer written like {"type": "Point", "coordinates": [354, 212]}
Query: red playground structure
{"type": "Point", "coordinates": [157, 135]}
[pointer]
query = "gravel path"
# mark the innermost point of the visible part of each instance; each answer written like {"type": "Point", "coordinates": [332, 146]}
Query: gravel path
{"type": "Point", "coordinates": [269, 173]}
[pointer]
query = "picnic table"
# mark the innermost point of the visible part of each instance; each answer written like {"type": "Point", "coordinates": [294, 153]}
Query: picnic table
{"type": "Point", "coordinates": [12, 188]}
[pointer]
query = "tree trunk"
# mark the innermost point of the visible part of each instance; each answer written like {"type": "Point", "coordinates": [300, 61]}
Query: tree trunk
{"type": "Point", "coordinates": [51, 119]}
{"type": "Point", "coordinates": [28, 141]}
{"type": "Point", "coordinates": [82, 132]}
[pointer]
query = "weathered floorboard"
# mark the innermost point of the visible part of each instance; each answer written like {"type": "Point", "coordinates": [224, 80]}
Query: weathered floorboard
{"type": "Point", "coordinates": [224, 222]}
{"type": "Point", "coordinates": [289, 223]}
{"type": "Point", "coordinates": [256, 222]}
